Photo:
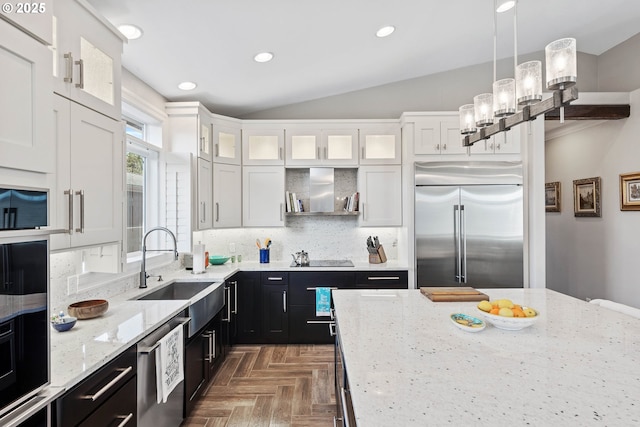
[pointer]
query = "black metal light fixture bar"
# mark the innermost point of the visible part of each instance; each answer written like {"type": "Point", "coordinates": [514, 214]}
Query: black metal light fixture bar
{"type": "Point", "coordinates": [528, 113]}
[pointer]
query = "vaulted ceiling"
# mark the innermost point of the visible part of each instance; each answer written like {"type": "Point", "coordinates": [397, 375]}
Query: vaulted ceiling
{"type": "Point", "coordinates": [329, 47]}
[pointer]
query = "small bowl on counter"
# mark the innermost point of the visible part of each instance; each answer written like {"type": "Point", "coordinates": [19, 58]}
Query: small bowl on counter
{"type": "Point", "coordinates": [64, 323]}
{"type": "Point", "coordinates": [218, 259]}
{"type": "Point", "coordinates": [88, 309]}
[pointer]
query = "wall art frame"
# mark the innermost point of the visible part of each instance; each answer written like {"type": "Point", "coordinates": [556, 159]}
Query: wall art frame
{"type": "Point", "coordinates": [586, 197]}
{"type": "Point", "coordinates": [552, 196]}
{"type": "Point", "coordinates": [630, 191]}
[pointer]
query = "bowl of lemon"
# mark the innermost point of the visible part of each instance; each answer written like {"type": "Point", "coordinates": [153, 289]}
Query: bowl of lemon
{"type": "Point", "coordinates": [504, 314]}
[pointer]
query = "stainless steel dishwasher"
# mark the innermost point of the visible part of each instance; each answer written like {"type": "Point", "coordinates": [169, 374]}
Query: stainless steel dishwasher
{"type": "Point", "coordinates": [150, 412]}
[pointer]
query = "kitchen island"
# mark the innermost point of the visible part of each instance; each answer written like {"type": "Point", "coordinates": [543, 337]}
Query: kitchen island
{"type": "Point", "coordinates": [408, 364]}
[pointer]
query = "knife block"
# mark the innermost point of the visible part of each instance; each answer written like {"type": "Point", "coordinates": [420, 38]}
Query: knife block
{"type": "Point", "coordinates": [378, 258]}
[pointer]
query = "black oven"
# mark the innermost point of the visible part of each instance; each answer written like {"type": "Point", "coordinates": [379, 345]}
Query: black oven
{"type": "Point", "coordinates": [24, 325]}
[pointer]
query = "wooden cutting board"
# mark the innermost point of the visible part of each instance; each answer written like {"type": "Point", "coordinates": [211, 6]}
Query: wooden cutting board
{"type": "Point", "coordinates": [438, 294]}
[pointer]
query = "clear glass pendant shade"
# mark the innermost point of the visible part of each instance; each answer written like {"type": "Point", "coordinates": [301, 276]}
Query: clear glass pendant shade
{"type": "Point", "coordinates": [467, 119]}
{"type": "Point", "coordinates": [529, 83]}
{"type": "Point", "coordinates": [561, 65]}
{"type": "Point", "coordinates": [504, 97]}
{"type": "Point", "coordinates": [483, 109]}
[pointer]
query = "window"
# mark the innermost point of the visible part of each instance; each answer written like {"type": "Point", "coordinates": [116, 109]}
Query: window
{"type": "Point", "coordinates": [142, 187]}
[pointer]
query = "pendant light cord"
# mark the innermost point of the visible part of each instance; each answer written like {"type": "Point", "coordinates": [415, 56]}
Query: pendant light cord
{"type": "Point", "coordinates": [515, 38]}
{"type": "Point", "coordinates": [495, 39]}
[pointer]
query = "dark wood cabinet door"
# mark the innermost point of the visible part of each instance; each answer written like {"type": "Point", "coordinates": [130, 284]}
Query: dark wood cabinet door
{"type": "Point", "coordinates": [275, 315]}
{"type": "Point", "coordinates": [248, 316]}
{"type": "Point", "coordinates": [195, 374]}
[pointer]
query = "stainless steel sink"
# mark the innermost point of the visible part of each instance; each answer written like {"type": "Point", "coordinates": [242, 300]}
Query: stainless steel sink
{"type": "Point", "coordinates": [202, 310]}
{"type": "Point", "coordinates": [326, 263]}
{"type": "Point", "coordinates": [177, 290]}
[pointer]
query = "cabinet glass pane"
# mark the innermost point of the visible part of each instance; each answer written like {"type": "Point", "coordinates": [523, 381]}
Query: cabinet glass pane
{"type": "Point", "coordinates": [98, 72]}
{"type": "Point", "coordinates": [303, 147]}
{"type": "Point", "coordinates": [339, 147]}
{"type": "Point", "coordinates": [16, 102]}
{"type": "Point", "coordinates": [204, 138]}
{"type": "Point", "coordinates": [226, 145]}
{"type": "Point", "coordinates": [263, 147]}
{"type": "Point", "coordinates": [380, 146]}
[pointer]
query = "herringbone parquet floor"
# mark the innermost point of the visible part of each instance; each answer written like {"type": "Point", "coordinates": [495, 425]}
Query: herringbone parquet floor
{"type": "Point", "coordinates": [270, 385]}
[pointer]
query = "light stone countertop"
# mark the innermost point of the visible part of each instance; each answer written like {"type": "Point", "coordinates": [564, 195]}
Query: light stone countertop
{"type": "Point", "coordinates": [91, 343]}
{"type": "Point", "coordinates": [409, 365]}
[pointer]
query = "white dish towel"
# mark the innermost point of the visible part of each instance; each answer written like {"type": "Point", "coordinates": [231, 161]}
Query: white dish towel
{"type": "Point", "coordinates": [169, 363]}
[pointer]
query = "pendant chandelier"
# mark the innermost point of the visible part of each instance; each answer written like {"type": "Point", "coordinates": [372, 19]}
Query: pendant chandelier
{"type": "Point", "coordinates": [496, 112]}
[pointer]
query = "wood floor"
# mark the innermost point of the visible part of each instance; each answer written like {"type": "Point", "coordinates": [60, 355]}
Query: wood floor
{"type": "Point", "coordinates": [270, 385]}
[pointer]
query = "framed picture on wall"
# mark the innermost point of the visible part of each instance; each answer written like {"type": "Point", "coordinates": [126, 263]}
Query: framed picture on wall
{"type": "Point", "coordinates": [552, 196]}
{"type": "Point", "coordinates": [630, 191]}
{"type": "Point", "coordinates": [586, 197]}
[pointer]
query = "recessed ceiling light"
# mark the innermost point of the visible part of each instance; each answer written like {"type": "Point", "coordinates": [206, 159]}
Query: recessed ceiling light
{"type": "Point", "coordinates": [187, 86]}
{"type": "Point", "coordinates": [385, 31]}
{"type": "Point", "coordinates": [504, 6]}
{"type": "Point", "coordinates": [131, 32]}
{"type": "Point", "coordinates": [263, 57]}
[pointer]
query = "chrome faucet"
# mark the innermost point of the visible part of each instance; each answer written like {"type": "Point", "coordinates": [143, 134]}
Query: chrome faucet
{"type": "Point", "coordinates": [143, 273]}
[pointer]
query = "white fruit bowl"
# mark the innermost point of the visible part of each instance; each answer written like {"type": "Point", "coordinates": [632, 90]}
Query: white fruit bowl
{"type": "Point", "coordinates": [509, 323]}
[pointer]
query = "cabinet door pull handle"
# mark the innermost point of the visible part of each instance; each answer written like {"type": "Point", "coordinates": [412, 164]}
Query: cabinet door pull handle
{"type": "Point", "coordinates": [318, 153]}
{"type": "Point", "coordinates": [383, 278]}
{"type": "Point", "coordinates": [279, 153]}
{"type": "Point", "coordinates": [444, 147]}
{"type": "Point", "coordinates": [69, 193]}
{"type": "Point", "coordinates": [68, 78]}
{"type": "Point", "coordinates": [80, 64]}
{"type": "Point", "coordinates": [326, 153]}
{"type": "Point", "coordinates": [319, 322]}
{"type": "Point", "coordinates": [227, 295]}
{"type": "Point", "coordinates": [274, 278]}
{"type": "Point", "coordinates": [362, 153]}
{"type": "Point", "coordinates": [81, 194]}
{"type": "Point", "coordinates": [345, 409]}
{"type": "Point", "coordinates": [204, 212]}
{"type": "Point", "coordinates": [281, 211]}
{"type": "Point", "coordinates": [235, 297]}
{"type": "Point", "coordinates": [217, 150]}
{"type": "Point", "coordinates": [123, 373]}
{"type": "Point", "coordinates": [313, 289]}
{"type": "Point", "coordinates": [332, 329]}
{"type": "Point", "coordinates": [125, 420]}
{"type": "Point", "coordinates": [217, 212]}
{"type": "Point", "coordinates": [284, 301]}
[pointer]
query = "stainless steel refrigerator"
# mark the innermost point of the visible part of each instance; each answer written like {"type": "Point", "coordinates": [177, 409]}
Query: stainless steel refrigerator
{"type": "Point", "coordinates": [469, 224]}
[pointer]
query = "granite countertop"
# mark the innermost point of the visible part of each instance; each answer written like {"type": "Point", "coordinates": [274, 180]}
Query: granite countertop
{"type": "Point", "coordinates": [408, 364]}
{"type": "Point", "coordinates": [91, 343]}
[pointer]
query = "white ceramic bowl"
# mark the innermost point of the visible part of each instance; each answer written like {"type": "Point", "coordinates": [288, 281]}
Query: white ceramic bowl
{"type": "Point", "coordinates": [509, 323]}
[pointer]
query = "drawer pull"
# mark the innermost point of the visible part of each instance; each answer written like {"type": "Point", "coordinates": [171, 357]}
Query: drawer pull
{"type": "Point", "coordinates": [332, 329]}
{"type": "Point", "coordinates": [383, 278]}
{"type": "Point", "coordinates": [345, 409]}
{"type": "Point", "coordinates": [110, 384]}
{"type": "Point", "coordinates": [319, 322]}
{"type": "Point", "coordinates": [126, 419]}
{"type": "Point", "coordinates": [313, 289]}
{"type": "Point", "coordinates": [274, 278]}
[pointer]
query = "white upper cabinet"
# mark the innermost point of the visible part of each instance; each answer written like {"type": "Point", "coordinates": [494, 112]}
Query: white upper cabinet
{"type": "Point", "coordinates": [227, 195]}
{"type": "Point", "coordinates": [262, 196]}
{"type": "Point", "coordinates": [227, 145]}
{"type": "Point", "coordinates": [25, 102]}
{"type": "Point", "coordinates": [262, 147]}
{"type": "Point", "coordinates": [87, 200]}
{"type": "Point", "coordinates": [315, 147]}
{"type": "Point", "coordinates": [204, 214]}
{"type": "Point", "coordinates": [190, 129]}
{"type": "Point", "coordinates": [502, 143]}
{"type": "Point", "coordinates": [437, 135]}
{"type": "Point", "coordinates": [380, 144]}
{"type": "Point", "coordinates": [380, 195]}
{"type": "Point", "coordinates": [34, 18]}
{"type": "Point", "coordinates": [87, 65]}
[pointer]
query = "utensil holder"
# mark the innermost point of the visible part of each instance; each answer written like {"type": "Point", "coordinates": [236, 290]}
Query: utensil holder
{"type": "Point", "coordinates": [379, 257]}
{"type": "Point", "coordinates": [264, 256]}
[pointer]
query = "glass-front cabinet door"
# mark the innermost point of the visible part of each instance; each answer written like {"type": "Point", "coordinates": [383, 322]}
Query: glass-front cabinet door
{"type": "Point", "coordinates": [226, 144]}
{"type": "Point", "coordinates": [309, 147]}
{"type": "Point", "coordinates": [340, 146]}
{"type": "Point", "coordinates": [303, 147]}
{"type": "Point", "coordinates": [380, 145]}
{"type": "Point", "coordinates": [263, 147]}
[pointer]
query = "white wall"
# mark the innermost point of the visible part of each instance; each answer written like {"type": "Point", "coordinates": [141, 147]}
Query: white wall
{"type": "Point", "coordinates": [595, 257]}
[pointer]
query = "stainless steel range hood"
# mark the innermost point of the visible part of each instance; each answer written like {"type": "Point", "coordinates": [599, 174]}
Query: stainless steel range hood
{"type": "Point", "coordinates": [321, 190]}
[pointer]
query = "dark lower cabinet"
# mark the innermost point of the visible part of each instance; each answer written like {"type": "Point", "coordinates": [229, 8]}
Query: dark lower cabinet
{"type": "Point", "coordinates": [398, 279]}
{"type": "Point", "coordinates": [106, 398]}
{"type": "Point", "coordinates": [248, 316]}
{"type": "Point", "coordinates": [307, 328]}
{"type": "Point", "coordinates": [275, 315]}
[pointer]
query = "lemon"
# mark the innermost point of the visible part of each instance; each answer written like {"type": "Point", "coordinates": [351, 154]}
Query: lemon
{"type": "Point", "coordinates": [485, 305]}
{"type": "Point", "coordinates": [505, 303]}
{"type": "Point", "coordinates": [505, 312]}
{"type": "Point", "coordinates": [530, 312]}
